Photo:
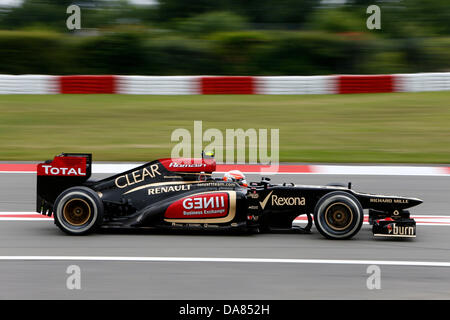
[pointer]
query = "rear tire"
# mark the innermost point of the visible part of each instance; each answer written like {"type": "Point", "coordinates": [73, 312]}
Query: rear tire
{"type": "Point", "coordinates": [338, 215]}
{"type": "Point", "coordinates": [78, 211]}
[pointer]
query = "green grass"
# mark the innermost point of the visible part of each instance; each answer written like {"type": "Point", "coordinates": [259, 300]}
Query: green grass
{"type": "Point", "coordinates": [394, 127]}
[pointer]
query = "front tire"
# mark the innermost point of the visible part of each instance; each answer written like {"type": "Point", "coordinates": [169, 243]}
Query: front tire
{"type": "Point", "coordinates": [78, 211]}
{"type": "Point", "coordinates": [338, 215]}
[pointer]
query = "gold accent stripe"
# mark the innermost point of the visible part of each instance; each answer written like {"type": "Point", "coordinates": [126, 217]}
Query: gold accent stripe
{"type": "Point", "coordinates": [162, 184]}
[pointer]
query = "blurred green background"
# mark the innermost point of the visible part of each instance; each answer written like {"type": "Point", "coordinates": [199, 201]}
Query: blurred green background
{"type": "Point", "coordinates": [382, 127]}
{"type": "Point", "coordinates": [226, 37]}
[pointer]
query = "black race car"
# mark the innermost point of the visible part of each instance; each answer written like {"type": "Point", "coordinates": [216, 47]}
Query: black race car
{"type": "Point", "coordinates": [181, 193]}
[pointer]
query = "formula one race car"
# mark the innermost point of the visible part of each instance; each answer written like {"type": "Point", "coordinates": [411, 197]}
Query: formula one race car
{"type": "Point", "coordinates": [181, 193]}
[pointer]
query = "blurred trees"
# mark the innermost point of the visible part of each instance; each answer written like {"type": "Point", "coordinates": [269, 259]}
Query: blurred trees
{"type": "Point", "coordinates": [211, 22]}
{"type": "Point", "coordinates": [263, 12]}
{"type": "Point", "coordinates": [433, 16]}
{"type": "Point", "coordinates": [264, 37]}
{"type": "Point", "coordinates": [51, 14]}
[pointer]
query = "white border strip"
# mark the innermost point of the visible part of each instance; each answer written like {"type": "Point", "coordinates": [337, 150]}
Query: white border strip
{"type": "Point", "coordinates": [227, 260]}
{"type": "Point", "coordinates": [379, 170]}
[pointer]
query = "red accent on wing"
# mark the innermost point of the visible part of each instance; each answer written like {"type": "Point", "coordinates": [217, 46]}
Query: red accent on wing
{"type": "Point", "coordinates": [189, 164]}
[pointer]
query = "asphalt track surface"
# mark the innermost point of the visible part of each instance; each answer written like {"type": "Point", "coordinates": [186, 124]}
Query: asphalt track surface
{"type": "Point", "coordinates": [340, 271]}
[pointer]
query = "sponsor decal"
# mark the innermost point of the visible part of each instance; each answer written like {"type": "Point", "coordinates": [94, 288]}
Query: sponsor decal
{"type": "Point", "coordinates": [282, 201]}
{"type": "Point", "coordinates": [197, 184]}
{"type": "Point", "coordinates": [253, 195]}
{"type": "Point", "coordinates": [264, 202]}
{"type": "Point", "coordinates": [155, 188]}
{"type": "Point", "coordinates": [215, 203]}
{"type": "Point", "coordinates": [387, 200]}
{"type": "Point", "coordinates": [63, 166]}
{"type": "Point", "coordinates": [217, 184]}
{"type": "Point", "coordinates": [208, 205]}
{"type": "Point", "coordinates": [57, 171]}
{"type": "Point", "coordinates": [158, 190]}
{"type": "Point", "coordinates": [137, 176]}
{"type": "Point", "coordinates": [389, 227]}
{"type": "Point", "coordinates": [401, 230]}
{"type": "Point", "coordinates": [187, 165]}
{"type": "Point", "coordinates": [288, 201]}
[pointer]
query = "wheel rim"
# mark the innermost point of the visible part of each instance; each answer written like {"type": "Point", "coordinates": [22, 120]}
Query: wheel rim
{"type": "Point", "coordinates": [339, 216]}
{"type": "Point", "coordinates": [77, 212]}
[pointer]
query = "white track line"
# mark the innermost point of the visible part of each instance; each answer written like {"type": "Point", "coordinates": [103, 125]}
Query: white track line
{"type": "Point", "coordinates": [420, 220]}
{"type": "Point", "coordinates": [227, 260]}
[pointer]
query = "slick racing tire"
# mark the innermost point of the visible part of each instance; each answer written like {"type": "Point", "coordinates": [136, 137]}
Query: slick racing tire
{"type": "Point", "coordinates": [78, 211]}
{"type": "Point", "coordinates": [338, 215]}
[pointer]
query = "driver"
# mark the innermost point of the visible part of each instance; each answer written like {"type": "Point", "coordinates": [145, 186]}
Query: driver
{"type": "Point", "coordinates": [235, 176]}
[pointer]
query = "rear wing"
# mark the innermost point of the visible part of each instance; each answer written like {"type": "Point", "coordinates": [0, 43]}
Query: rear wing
{"type": "Point", "coordinates": [54, 176]}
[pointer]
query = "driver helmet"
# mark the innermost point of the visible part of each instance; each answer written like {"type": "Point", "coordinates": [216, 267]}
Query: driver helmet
{"type": "Point", "coordinates": [235, 176]}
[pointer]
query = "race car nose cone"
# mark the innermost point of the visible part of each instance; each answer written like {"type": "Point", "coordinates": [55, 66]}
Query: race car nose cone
{"type": "Point", "coordinates": [415, 201]}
